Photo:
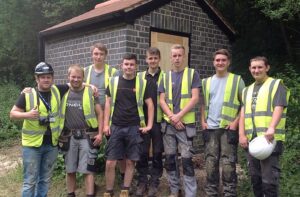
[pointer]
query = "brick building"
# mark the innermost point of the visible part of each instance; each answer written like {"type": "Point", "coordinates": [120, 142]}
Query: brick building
{"type": "Point", "coordinates": [134, 25]}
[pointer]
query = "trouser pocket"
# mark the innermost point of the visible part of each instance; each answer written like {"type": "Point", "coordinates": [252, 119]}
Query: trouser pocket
{"type": "Point", "coordinates": [92, 160]}
{"type": "Point", "coordinates": [205, 135]}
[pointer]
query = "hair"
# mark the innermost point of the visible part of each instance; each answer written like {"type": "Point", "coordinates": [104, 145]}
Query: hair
{"type": "Point", "coordinates": [153, 51]}
{"type": "Point", "coordinates": [130, 56]}
{"type": "Point", "coordinates": [260, 58]}
{"type": "Point", "coordinates": [178, 46]}
{"type": "Point", "coordinates": [75, 67]}
{"type": "Point", "coordinates": [99, 46]}
{"type": "Point", "coordinates": [222, 52]}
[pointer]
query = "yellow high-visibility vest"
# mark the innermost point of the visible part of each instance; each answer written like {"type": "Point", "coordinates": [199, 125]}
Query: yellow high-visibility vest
{"type": "Point", "coordinates": [140, 86]}
{"type": "Point", "coordinates": [32, 131]}
{"type": "Point", "coordinates": [263, 109]}
{"type": "Point", "coordinates": [231, 103]}
{"type": "Point", "coordinates": [108, 72]}
{"type": "Point", "coordinates": [88, 109]}
{"type": "Point", "coordinates": [159, 111]}
{"type": "Point", "coordinates": [186, 94]}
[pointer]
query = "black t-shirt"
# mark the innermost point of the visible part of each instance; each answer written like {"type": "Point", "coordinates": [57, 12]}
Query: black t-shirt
{"type": "Point", "coordinates": [152, 80]}
{"type": "Point", "coordinates": [125, 107]}
{"type": "Point", "coordinates": [21, 103]}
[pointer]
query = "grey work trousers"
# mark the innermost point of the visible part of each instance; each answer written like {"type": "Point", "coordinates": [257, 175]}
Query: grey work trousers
{"type": "Point", "coordinates": [173, 140]}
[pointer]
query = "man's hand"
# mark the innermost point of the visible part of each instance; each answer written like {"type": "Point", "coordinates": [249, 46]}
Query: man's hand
{"type": "Point", "coordinates": [98, 140]}
{"type": "Point", "coordinates": [95, 90]}
{"type": "Point", "coordinates": [175, 118]}
{"type": "Point", "coordinates": [33, 114]}
{"type": "Point", "coordinates": [145, 130]}
{"type": "Point", "coordinates": [204, 125]}
{"type": "Point", "coordinates": [269, 134]}
{"type": "Point", "coordinates": [106, 130]}
{"type": "Point", "coordinates": [26, 90]}
{"type": "Point", "coordinates": [243, 140]}
{"type": "Point", "coordinates": [179, 126]}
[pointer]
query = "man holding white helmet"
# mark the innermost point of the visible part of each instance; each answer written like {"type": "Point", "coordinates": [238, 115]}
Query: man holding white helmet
{"type": "Point", "coordinates": [263, 114]}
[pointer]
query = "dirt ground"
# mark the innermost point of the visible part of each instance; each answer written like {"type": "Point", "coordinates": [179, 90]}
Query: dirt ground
{"type": "Point", "coordinates": [10, 158]}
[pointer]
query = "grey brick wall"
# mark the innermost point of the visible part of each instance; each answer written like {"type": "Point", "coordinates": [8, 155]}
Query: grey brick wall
{"type": "Point", "coordinates": [180, 16]}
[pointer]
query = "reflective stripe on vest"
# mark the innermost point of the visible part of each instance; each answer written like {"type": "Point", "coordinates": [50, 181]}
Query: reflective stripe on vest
{"type": "Point", "coordinates": [109, 72]}
{"type": "Point", "coordinates": [32, 131]}
{"type": "Point", "coordinates": [88, 108]}
{"type": "Point", "coordinates": [186, 94]}
{"type": "Point", "coordinates": [263, 109]}
{"type": "Point", "coordinates": [158, 108]}
{"type": "Point", "coordinates": [231, 104]}
{"type": "Point", "coordinates": [140, 86]}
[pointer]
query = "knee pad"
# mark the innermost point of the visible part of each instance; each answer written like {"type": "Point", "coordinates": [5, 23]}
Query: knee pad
{"type": "Point", "coordinates": [187, 166]}
{"type": "Point", "coordinates": [170, 163]}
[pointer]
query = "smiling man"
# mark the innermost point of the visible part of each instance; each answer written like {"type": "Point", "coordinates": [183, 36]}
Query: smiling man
{"type": "Point", "coordinates": [81, 120]}
{"type": "Point", "coordinates": [124, 121]}
{"type": "Point", "coordinates": [264, 114]}
{"type": "Point", "coordinates": [219, 120]}
{"type": "Point", "coordinates": [39, 109]}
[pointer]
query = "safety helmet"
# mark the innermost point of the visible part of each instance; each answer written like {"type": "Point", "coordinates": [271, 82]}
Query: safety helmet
{"type": "Point", "coordinates": [43, 68]}
{"type": "Point", "coordinates": [260, 148]}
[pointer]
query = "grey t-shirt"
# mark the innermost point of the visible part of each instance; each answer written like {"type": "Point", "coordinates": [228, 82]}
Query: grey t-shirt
{"type": "Point", "coordinates": [74, 117]}
{"type": "Point", "coordinates": [97, 79]}
{"type": "Point", "coordinates": [216, 97]}
{"type": "Point", "coordinates": [176, 88]}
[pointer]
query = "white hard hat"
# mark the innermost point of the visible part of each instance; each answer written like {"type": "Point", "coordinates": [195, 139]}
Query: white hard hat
{"type": "Point", "coordinates": [260, 148]}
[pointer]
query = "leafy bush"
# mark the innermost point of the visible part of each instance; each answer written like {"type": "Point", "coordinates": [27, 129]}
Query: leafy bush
{"type": "Point", "coordinates": [8, 129]}
{"type": "Point", "coordinates": [290, 160]}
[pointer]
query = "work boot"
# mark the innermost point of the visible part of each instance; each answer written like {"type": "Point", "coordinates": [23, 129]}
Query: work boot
{"type": "Point", "coordinates": [152, 192]}
{"type": "Point", "coordinates": [124, 193]}
{"type": "Point", "coordinates": [141, 189]}
{"type": "Point", "coordinates": [106, 194]}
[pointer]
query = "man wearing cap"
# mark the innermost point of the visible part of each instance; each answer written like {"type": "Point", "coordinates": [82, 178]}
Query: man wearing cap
{"type": "Point", "coordinates": [40, 131]}
{"type": "Point", "coordinates": [264, 114]}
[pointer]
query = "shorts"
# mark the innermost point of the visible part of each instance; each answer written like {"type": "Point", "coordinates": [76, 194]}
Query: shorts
{"type": "Point", "coordinates": [77, 157]}
{"type": "Point", "coordinates": [124, 143]}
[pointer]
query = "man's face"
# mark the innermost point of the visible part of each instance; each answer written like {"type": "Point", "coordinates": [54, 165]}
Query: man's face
{"type": "Point", "coordinates": [44, 81]}
{"type": "Point", "coordinates": [177, 57]}
{"type": "Point", "coordinates": [152, 61]}
{"type": "Point", "coordinates": [98, 56]}
{"type": "Point", "coordinates": [129, 67]}
{"type": "Point", "coordinates": [221, 63]}
{"type": "Point", "coordinates": [259, 70]}
{"type": "Point", "coordinates": [76, 79]}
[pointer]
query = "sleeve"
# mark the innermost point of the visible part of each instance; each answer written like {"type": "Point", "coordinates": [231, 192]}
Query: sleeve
{"type": "Point", "coordinates": [280, 96]}
{"type": "Point", "coordinates": [21, 102]}
{"type": "Point", "coordinates": [161, 88]}
{"type": "Point", "coordinates": [196, 83]}
{"type": "Point", "coordinates": [62, 88]}
{"type": "Point", "coordinates": [150, 88]}
{"type": "Point", "coordinates": [240, 90]}
{"type": "Point", "coordinates": [107, 91]}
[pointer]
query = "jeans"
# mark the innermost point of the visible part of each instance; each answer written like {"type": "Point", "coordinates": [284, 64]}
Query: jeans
{"type": "Point", "coordinates": [38, 164]}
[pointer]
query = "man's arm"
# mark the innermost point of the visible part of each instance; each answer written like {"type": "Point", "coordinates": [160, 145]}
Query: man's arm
{"type": "Point", "coordinates": [276, 116]}
{"type": "Point", "coordinates": [99, 113]}
{"type": "Point", "coordinates": [17, 113]}
{"type": "Point", "coordinates": [164, 106]}
{"type": "Point", "coordinates": [150, 108]}
{"type": "Point", "coordinates": [106, 129]}
{"type": "Point", "coordinates": [203, 121]}
{"type": "Point", "coordinates": [242, 136]}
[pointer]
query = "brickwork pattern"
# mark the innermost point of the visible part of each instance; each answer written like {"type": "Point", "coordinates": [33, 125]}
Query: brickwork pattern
{"type": "Point", "coordinates": [179, 16]}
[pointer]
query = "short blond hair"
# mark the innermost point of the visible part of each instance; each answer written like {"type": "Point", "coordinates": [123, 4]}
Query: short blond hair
{"type": "Point", "coordinates": [75, 67]}
{"type": "Point", "coordinates": [178, 46]}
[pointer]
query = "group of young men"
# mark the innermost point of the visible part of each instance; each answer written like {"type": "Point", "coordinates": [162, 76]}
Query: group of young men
{"type": "Point", "coordinates": [150, 110]}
